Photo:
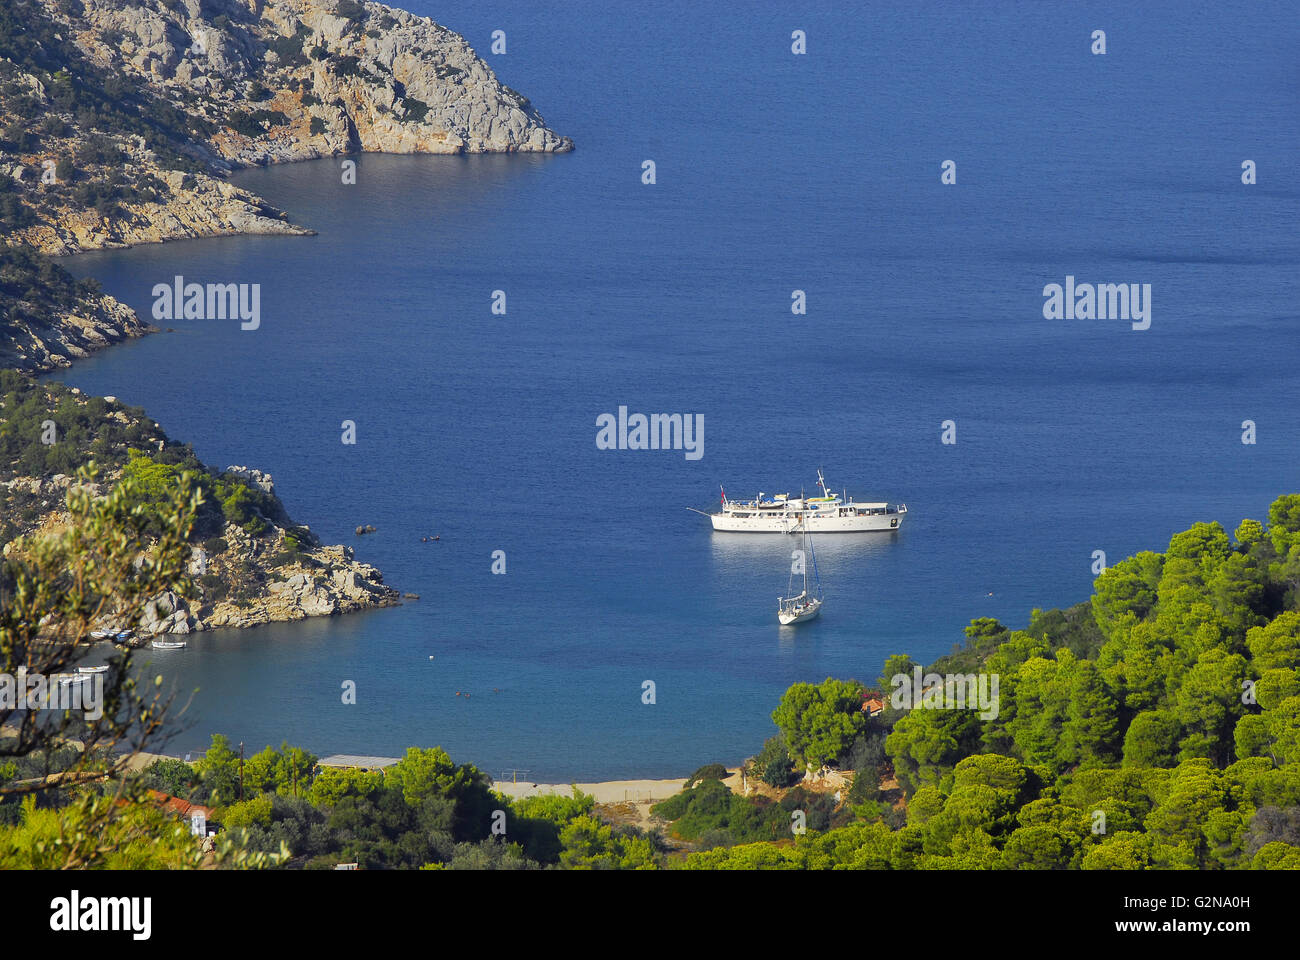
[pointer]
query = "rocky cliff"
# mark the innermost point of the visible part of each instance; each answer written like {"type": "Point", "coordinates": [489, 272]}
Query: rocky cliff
{"type": "Point", "coordinates": [121, 117]}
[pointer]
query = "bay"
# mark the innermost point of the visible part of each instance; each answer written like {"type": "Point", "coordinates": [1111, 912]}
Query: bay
{"type": "Point", "coordinates": [774, 173]}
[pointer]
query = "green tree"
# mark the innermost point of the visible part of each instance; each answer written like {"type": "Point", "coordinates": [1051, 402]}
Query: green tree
{"type": "Point", "coordinates": [1248, 533]}
{"type": "Point", "coordinates": [1277, 856]}
{"type": "Point", "coordinates": [820, 722]}
{"type": "Point", "coordinates": [896, 665]}
{"type": "Point", "coordinates": [1092, 724]}
{"type": "Point", "coordinates": [1284, 523]}
{"type": "Point", "coordinates": [774, 765]}
{"type": "Point", "coordinates": [1040, 847]}
{"type": "Point", "coordinates": [589, 844]}
{"type": "Point", "coordinates": [1126, 587]}
{"type": "Point", "coordinates": [332, 784]}
{"type": "Point", "coordinates": [1203, 541]}
{"type": "Point", "coordinates": [54, 586]}
{"type": "Point", "coordinates": [1126, 850]}
{"type": "Point", "coordinates": [429, 774]}
{"type": "Point", "coordinates": [1152, 739]}
{"type": "Point", "coordinates": [926, 744]}
{"type": "Point", "coordinates": [1276, 644]}
{"type": "Point", "coordinates": [1208, 704]}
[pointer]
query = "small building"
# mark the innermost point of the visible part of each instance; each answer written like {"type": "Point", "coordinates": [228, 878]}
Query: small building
{"type": "Point", "coordinates": [872, 704]}
{"type": "Point", "coordinates": [200, 817]}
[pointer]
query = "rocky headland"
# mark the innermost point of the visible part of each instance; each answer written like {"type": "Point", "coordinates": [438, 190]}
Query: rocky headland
{"type": "Point", "coordinates": [50, 318]}
{"type": "Point", "coordinates": [122, 117]}
{"type": "Point", "coordinates": [250, 563]}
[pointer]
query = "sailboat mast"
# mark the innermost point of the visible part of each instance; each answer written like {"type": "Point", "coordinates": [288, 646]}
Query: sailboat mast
{"type": "Point", "coordinates": [817, 580]}
{"type": "Point", "coordinates": [806, 543]}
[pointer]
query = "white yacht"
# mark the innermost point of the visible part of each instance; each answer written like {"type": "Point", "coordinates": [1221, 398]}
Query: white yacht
{"type": "Point", "coordinates": [825, 514]}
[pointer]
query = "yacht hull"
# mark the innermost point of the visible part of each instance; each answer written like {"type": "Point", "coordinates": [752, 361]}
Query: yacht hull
{"type": "Point", "coordinates": [789, 618]}
{"type": "Point", "coordinates": [795, 523]}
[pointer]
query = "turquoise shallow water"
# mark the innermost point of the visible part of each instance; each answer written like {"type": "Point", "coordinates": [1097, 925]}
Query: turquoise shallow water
{"type": "Point", "coordinates": [775, 173]}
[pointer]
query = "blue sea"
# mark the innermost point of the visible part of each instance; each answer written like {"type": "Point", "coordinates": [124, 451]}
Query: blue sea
{"type": "Point", "coordinates": [774, 172]}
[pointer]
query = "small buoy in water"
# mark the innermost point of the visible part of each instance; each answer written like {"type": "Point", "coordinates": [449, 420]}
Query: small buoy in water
{"type": "Point", "coordinates": [430, 656]}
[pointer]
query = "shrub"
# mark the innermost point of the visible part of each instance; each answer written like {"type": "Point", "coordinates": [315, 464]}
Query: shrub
{"type": "Point", "coordinates": [711, 771]}
{"type": "Point", "coordinates": [416, 110]}
{"type": "Point", "coordinates": [774, 765]}
{"type": "Point", "coordinates": [350, 10]}
{"type": "Point", "coordinates": [346, 66]}
{"type": "Point", "coordinates": [214, 587]}
{"type": "Point", "coordinates": [174, 777]}
{"type": "Point", "coordinates": [253, 123]}
{"type": "Point", "coordinates": [246, 813]}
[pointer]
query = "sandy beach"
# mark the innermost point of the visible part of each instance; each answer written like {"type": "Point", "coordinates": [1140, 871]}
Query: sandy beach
{"type": "Point", "coordinates": [617, 801]}
{"type": "Point", "coordinates": [610, 791]}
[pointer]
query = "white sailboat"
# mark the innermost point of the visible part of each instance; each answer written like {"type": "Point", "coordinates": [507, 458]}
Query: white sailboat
{"type": "Point", "coordinates": [806, 605]}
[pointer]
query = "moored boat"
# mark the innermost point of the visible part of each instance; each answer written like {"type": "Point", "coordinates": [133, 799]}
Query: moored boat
{"type": "Point", "coordinates": [805, 605]}
{"type": "Point", "coordinates": [829, 513]}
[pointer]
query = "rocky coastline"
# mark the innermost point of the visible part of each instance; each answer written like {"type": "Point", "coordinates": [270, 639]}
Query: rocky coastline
{"type": "Point", "coordinates": [258, 568]}
{"type": "Point", "coordinates": [233, 84]}
{"type": "Point", "coordinates": [121, 120]}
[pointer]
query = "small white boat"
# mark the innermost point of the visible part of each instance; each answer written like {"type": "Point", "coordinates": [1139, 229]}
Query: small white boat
{"type": "Point", "coordinates": [169, 644]}
{"type": "Point", "coordinates": [68, 679]}
{"type": "Point", "coordinates": [102, 668]}
{"type": "Point", "coordinates": [798, 609]}
{"type": "Point", "coordinates": [805, 605]}
{"type": "Point", "coordinates": [103, 634]}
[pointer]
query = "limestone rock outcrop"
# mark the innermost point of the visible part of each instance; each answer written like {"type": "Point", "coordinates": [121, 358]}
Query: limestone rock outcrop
{"type": "Point", "coordinates": [236, 83]}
